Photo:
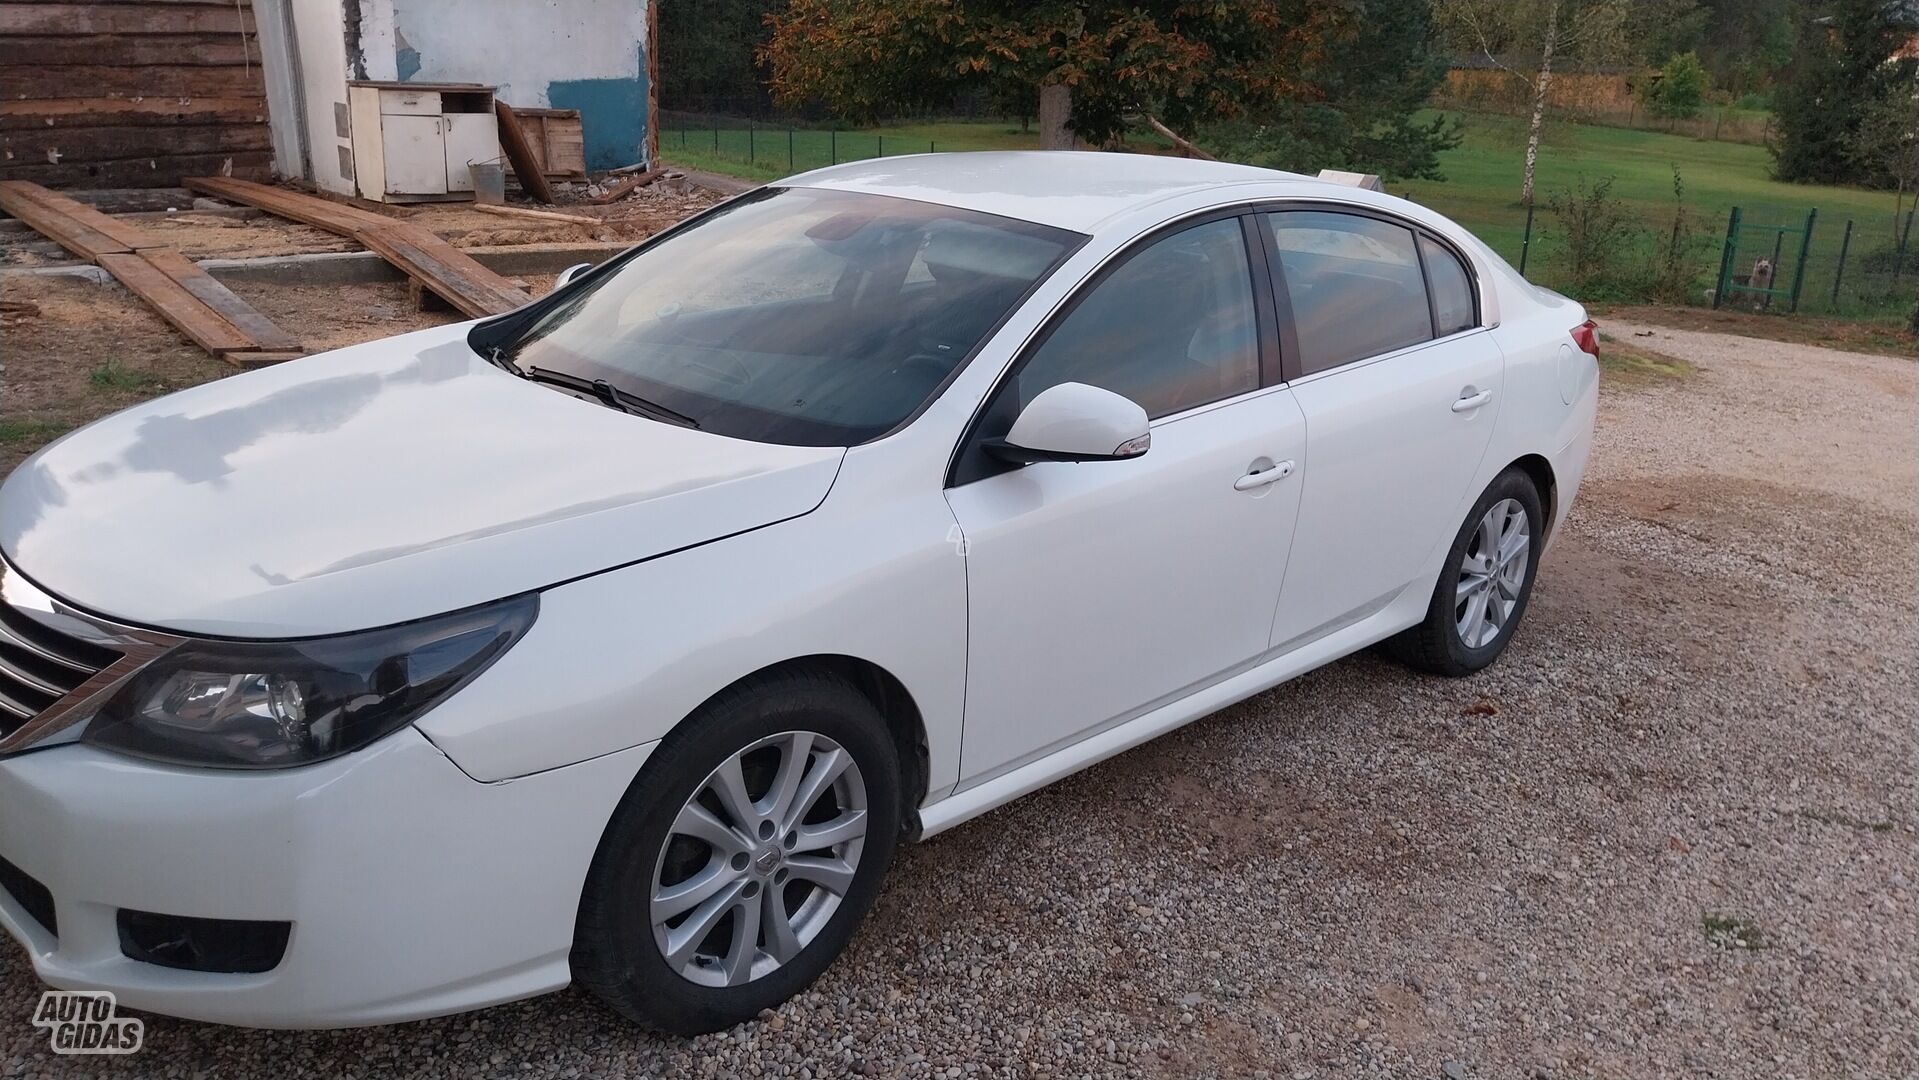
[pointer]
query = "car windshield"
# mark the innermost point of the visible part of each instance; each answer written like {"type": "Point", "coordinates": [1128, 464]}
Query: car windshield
{"type": "Point", "coordinates": [796, 315]}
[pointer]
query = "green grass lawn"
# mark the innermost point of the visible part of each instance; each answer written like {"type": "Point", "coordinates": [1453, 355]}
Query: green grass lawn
{"type": "Point", "coordinates": [1480, 191]}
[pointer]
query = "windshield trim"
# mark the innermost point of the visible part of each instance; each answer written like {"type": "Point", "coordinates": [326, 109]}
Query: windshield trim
{"type": "Point", "coordinates": [500, 332]}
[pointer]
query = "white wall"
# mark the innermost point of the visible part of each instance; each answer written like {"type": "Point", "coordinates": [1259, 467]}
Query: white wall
{"type": "Point", "coordinates": [572, 54]}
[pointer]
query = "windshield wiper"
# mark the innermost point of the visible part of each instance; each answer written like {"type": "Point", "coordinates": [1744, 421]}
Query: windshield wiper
{"type": "Point", "coordinates": [613, 397]}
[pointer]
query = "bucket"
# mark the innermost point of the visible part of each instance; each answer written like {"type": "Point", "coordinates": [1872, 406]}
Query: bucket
{"type": "Point", "coordinates": [489, 181]}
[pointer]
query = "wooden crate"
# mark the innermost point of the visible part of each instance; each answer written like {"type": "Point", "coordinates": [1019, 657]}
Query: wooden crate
{"type": "Point", "coordinates": [558, 140]}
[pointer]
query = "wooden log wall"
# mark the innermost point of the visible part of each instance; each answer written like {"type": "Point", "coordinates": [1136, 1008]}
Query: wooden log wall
{"type": "Point", "coordinates": [131, 93]}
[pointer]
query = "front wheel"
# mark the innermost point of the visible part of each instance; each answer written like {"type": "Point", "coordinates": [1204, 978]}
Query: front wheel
{"type": "Point", "coordinates": [1484, 586]}
{"type": "Point", "coordinates": [743, 857]}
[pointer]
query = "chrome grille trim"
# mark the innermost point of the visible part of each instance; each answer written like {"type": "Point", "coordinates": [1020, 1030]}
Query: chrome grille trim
{"type": "Point", "coordinates": [10, 636]}
{"type": "Point", "coordinates": [16, 708]}
{"type": "Point", "coordinates": [20, 674]}
{"type": "Point", "coordinates": [52, 632]}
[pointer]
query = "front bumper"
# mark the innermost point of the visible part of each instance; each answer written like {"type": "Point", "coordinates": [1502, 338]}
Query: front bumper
{"type": "Point", "coordinates": [412, 889]}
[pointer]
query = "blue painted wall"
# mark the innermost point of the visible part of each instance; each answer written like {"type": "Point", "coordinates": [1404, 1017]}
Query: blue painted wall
{"type": "Point", "coordinates": [612, 112]}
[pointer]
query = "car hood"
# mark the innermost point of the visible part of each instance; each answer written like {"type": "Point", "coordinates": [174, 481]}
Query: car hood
{"type": "Point", "coordinates": [373, 485]}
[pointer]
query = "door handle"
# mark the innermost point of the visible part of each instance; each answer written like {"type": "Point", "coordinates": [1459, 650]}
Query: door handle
{"type": "Point", "coordinates": [1468, 402]}
{"type": "Point", "coordinates": [1253, 480]}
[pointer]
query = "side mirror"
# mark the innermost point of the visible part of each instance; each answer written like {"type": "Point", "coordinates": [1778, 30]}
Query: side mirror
{"type": "Point", "coordinates": [1075, 422]}
{"type": "Point", "coordinates": [569, 274]}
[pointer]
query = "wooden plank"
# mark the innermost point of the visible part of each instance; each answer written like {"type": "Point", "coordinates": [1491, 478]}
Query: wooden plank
{"type": "Point", "coordinates": [140, 172]}
{"type": "Point", "coordinates": [90, 216]}
{"type": "Point", "coordinates": [421, 253]}
{"type": "Point", "coordinates": [537, 215]}
{"type": "Point", "coordinates": [259, 329]}
{"type": "Point", "coordinates": [258, 358]}
{"type": "Point", "coordinates": [299, 206]}
{"type": "Point", "coordinates": [100, 111]}
{"type": "Point", "coordinates": [520, 154]}
{"type": "Point", "coordinates": [119, 143]}
{"type": "Point", "coordinates": [565, 148]}
{"type": "Point", "coordinates": [185, 295]}
{"type": "Point", "coordinates": [175, 304]}
{"type": "Point", "coordinates": [128, 18]}
{"type": "Point", "coordinates": [76, 226]}
{"type": "Point", "coordinates": [192, 50]}
{"type": "Point", "coordinates": [476, 291]}
{"type": "Point", "coordinates": [32, 81]}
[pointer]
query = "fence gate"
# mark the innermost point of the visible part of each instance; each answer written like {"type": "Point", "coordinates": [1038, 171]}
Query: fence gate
{"type": "Point", "coordinates": [1764, 261]}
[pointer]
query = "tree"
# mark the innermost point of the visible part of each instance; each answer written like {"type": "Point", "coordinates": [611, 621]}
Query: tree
{"type": "Point", "coordinates": [1370, 79]}
{"type": "Point", "coordinates": [1744, 43]}
{"type": "Point", "coordinates": [1087, 63]}
{"type": "Point", "coordinates": [1885, 147]}
{"type": "Point", "coordinates": [1525, 38]}
{"type": "Point", "coordinates": [706, 53]}
{"type": "Point", "coordinates": [1680, 90]}
{"type": "Point", "coordinates": [1844, 63]}
{"type": "Point", "coordinates": [1662, 29]}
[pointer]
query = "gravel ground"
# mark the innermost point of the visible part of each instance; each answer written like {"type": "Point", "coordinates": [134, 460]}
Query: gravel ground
{"type": "Point", "coordinates": [1671, 833]}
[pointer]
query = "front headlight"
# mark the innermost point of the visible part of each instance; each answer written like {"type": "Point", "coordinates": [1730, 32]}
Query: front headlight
{"type": "Point", "coordinates": [271, 705]}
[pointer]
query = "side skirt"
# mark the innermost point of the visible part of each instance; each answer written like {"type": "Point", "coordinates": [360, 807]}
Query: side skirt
{"type": "Point", "coordinates": [1408, 609]}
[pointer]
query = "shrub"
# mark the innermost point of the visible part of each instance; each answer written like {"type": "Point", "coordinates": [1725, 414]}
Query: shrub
{"type": "Point", "coordinates": [1680, 90]}
{"type": "Point", "coordinates": [1681, 259]}
{"type": "Point", "coordinates": [1598, 234]}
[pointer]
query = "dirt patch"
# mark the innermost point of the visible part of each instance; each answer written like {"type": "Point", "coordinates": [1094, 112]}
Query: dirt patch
{"type": "Point", "coordinates": [1883, 338]}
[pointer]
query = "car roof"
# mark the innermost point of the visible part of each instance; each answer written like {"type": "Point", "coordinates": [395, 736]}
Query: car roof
{"type": "Point", "coordinates": [1066, 189]}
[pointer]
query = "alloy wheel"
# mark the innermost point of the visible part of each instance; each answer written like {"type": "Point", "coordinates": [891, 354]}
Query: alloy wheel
{"type": "Point", "coordinates": [758, 859]}
{"type": "Point", "coordinates": [1492, 573]}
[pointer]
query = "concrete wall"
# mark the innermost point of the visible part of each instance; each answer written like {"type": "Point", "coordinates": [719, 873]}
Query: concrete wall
{"type": "Point", "coordinates": [588, 55]}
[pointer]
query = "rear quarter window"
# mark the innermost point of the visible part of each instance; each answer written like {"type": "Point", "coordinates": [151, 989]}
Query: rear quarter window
{"type": "Point", "coordinates": [1452, 290]}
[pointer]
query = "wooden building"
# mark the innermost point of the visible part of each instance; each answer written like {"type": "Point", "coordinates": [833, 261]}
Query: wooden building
{"type": "Point", "coordinates": [134, 93]}
{"type": "Point", "coordinates": [140, 93]}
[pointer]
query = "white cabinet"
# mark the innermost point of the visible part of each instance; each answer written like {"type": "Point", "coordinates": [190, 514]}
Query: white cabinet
{"type": "Point", "coordinates": [412, 142]}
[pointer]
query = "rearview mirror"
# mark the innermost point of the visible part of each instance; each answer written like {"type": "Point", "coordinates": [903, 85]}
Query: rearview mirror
{"type": "Point", "coordinates": [1075, 422]}
{"type": "Point", "coordinates": [569, 274]}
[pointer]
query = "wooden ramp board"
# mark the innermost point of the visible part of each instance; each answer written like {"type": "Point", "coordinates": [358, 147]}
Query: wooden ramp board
{"type": "Point", "coordinates": [207, 312]}
{"type": "Point", "coordinates": [175, 304]}
{"type": "Point", "coordinates": [294, 205]}
{"type": "Point", "coordinates": [445, 269]}
{"type": "Point", "coordinates": [73, 224]}
{"type": "Point", "coordinates": [260, 330]}
{"type": "Point", "coordinates": [427, 258]}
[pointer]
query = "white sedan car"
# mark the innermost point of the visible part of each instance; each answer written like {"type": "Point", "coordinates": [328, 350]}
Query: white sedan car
{"type": "Point", "coordinates": [621, 638]}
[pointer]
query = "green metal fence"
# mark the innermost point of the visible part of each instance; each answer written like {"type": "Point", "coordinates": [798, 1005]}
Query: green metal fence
{"type": "Point", "coordinates": [1788, 259]}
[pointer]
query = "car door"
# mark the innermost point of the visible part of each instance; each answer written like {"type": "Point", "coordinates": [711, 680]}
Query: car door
{"type": "Point", "coordinates": [1400, 388]}
{"type": "Point", "coordinates": [1097, 590]}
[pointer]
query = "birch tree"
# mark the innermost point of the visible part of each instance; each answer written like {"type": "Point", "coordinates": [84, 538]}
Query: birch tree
{"type": "Point", "coordinates": [1529, 40]}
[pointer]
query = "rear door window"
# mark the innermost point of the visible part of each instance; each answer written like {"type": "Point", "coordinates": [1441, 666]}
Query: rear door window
{"type": "Point", "coordinates": [1354, 284]}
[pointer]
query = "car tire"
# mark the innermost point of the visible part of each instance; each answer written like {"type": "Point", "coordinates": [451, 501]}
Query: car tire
{"type": "Point", "coordinates": [1448, 641]}
{"type": "Point", "coordinates": [649, 864]}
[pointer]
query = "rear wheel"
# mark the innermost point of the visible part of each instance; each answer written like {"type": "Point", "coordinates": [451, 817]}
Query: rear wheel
{"type": "Point", "coordinates": [1485, 584]}
{"type": "Point", "coordinates": [743, 857]}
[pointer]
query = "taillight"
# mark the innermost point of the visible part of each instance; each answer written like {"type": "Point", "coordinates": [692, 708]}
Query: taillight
{"type": "Point", "coordinates": [1586, 336]}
